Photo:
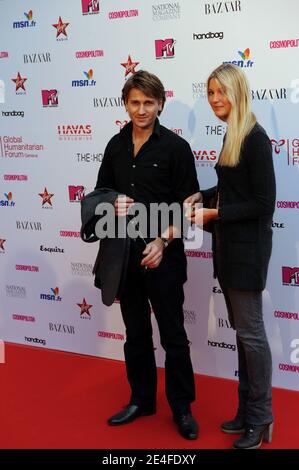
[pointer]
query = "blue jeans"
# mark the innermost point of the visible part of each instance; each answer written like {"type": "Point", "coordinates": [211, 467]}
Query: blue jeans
{"type": "Point", "coordinates": [254, 355]}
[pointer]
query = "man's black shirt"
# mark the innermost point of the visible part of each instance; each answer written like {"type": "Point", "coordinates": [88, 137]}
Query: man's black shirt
{"type": "Point", "coordinates": [162, 171]}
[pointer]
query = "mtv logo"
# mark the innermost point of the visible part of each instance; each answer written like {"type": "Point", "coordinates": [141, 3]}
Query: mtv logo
{"type": "Point", "coordinates": [76, 193]}
{"type": "Point", "coordinates": [164, 48]}
{"type": "Point", "coordinates": [50, 97]}
{"type": "Point", "coordinates": [290, 276]}
{"type": "Point", "coordinates": [90, 6]}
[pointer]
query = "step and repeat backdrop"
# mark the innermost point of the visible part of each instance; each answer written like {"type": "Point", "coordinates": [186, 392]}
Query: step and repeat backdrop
{"type": "Point", "coordinates": [62, 67]}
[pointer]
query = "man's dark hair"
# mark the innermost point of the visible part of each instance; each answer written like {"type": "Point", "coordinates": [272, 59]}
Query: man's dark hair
{"type": "Point", "coordinates": [146, 82]}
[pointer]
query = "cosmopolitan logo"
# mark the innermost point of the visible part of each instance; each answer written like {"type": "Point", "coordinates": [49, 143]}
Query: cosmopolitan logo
{"type": "Point", "coordinates": [108, 102]}
{"type": "Point", "coordinates": [37, 58]}
{"type": "Point", "coordinates": [287, 204]}
{"type": "Point", "coordinates": [51, 250]}
{"type": "Point", "coordinates": [13, 114]}
{"type": "Point", "coordinates": [69, 234]}
{"type": "Point", "coordinates": [3, 54]}
{"type": "Point", "coordinates": [199, 254]}
{"type": "Point", "coordinates": [76, 193]}
{"type": "Point", "coordinates": [109, 335]}
{"type": "Point", "coordinates": [199, 90]}
{"type": "Point", "coordinates": [290, 276]}
{"type": "Point", "coordinates": [222, 7]}
{"type": "Point", "coordinates": [28, 225]}
{"type": "Point", "coordinates": [288, 148]}
{"type": "Point", "coordinates": [15, 177]}
{"type": "Point", "coordinates": [89, 157]}
{"type": "Point", "coordinates": [87, 54]}
{"type": "Point", "coordinates": [50, 98]}
{"type": "Point", "coordinates": [90, 7]}
{"type": "Point", "coordinates": [75, 132]}
{"type": "Point", "coordinates": [215, 130]}
{"type": "Point", "coordinates": [284, 43]}
{"type": "Point", "coordinates": [14, 147]}
{"type": "Point", "coordinates": [164, 48]}
{"type": "Point", "coordinates": [197, 36]}
{"type": "Point", "coordinates": [81, 269]}
{"type": "Point", "coordinates": [26, 267]}
{"type": "Point", "coordinates": [53, 296]}
{"type": "Point", "coordinates": [288, 367]}
{"type": "Point", "coordinates": [17, 316]}
{"type": "Point", "coordinates": [112, 15]}
{"type": "Point", "coordinates": [269, 94]}
{"type": "Point", "coordinates": [166, 11]}
{"type": "Point", "coordinates": [190, 317]}
{"type": "Point", "coordinates": [28, 23]}
{"type": "Point", "coordinates": [222, 345]}
{"type": "Point", "coordinates": [35, 340]}
{"type": "Point", "coordinates": [18, 292]}
{"type": "Point", "coordinates": [286, 315]}
{"type": "Point", "coordinates": [61, 328]}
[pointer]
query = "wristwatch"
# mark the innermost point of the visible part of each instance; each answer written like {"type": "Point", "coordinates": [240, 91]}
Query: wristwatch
{"type": "Point", "coordinates": [165, 242]}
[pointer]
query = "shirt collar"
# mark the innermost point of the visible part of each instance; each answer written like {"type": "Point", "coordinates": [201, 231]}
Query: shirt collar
{"type": "Point", "coordinates": [126, 132]}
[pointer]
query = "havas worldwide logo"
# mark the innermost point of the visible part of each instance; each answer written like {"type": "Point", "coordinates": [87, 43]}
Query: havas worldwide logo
{"type": "Point", "coordinates": [74, 132]}
{"type": "Point", "coordinates": [53, 296]}
{"type": "Point", "coordinates": [88, 81]}
{"type": "Point", "coordinates": [46, 197]}
{"type": "Point", "coordinates": [7, 202]}
{"type": "Point", "coordinates": [19, 81]}
{"type": "Point", "coordinates": [245, 62]}
{"type": "Point", "coordinates": [61, 30]}
{"type": "Point", "coordinates": [50, 98]}
{"type": "Point", "coordinates": [90, 7]}
{"type": "Point", "coordinates": [28, 23]}
{"type": "Point", "coordinates": [85, 307]}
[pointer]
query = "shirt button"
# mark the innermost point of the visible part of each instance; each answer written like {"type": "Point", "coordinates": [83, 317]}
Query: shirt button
{"type": "Point", "coordinates": [133, 166]}
{"type": "Point", "coordinates": [132, 184]}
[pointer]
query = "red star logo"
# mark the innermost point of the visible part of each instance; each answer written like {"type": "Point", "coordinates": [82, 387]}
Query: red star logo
{"type": "Point", "coordinates": [84, 307]}
{"type": "Point", "coordinates": [60, 27]}
{"type": "Point", "coordinates": [19, 81]}
{"type": "Point", "coordinates": [129, 66]}
{"type": "Point", "coordinates": [46, 197]}
{"type": "Point", "coordinates": [2, 243]}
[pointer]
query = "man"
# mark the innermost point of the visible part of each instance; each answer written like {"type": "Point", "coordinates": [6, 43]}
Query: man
{"type": "Point", "coordinates": [150, 164]}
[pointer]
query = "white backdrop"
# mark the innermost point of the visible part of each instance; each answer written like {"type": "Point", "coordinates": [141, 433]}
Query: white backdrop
{"type": "Point", "coordinates": [62, 67]}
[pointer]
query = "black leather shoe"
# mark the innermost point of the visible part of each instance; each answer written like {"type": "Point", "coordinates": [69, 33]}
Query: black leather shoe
{"type": "Point", "coordinates": [188, 427]}
{"type": "Point", "coordinates": [254, 435]}
{"type": "Point", "coordinates": [128, 414]}
{"type": "Point", "coordinates": [235, 426]}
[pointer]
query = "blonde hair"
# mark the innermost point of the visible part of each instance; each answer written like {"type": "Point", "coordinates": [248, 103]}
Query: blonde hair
{"type": "Point", "coordinates": [241, 119]}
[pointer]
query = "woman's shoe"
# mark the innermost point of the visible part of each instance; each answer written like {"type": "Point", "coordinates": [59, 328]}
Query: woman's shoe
{"type": "Point", "coordinates": [254, 435]}
{"type": "Point", "coordinates": [235, 426]}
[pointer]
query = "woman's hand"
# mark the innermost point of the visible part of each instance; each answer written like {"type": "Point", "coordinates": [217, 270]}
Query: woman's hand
{"type": "Point", "coordinates": [202, 216]}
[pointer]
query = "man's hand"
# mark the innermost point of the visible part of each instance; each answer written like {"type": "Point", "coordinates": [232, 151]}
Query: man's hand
{"type": "Point", "coordinates": [202, 216]}
{"type": "Point", "coordinates": [153, 254]}
{"type": "Point", "coordinates": [196, 197]}
{"type": "Point", "coordinates": [122, 205]}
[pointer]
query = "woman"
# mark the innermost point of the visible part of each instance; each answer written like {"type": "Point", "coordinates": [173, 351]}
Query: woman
{"type": "Point", "coordinates": [239, 210]}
